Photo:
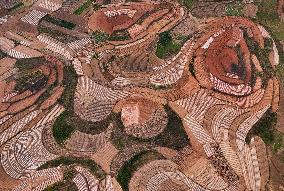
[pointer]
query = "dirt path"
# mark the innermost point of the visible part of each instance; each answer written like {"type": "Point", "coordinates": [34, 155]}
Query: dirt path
{"type": "Point", "coordinates": [280, 123]}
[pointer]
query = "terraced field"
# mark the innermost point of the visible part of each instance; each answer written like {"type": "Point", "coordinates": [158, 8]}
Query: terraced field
{"type": "Point", "coordinates": [140, 95]}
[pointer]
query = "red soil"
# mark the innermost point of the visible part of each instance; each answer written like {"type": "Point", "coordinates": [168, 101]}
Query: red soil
{"type": "Point", "coordinates": [99, 21]}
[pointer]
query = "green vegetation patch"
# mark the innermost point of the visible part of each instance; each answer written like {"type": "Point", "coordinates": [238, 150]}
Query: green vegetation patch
{"type": "Point", "coordinates": [70, 83]}
{"type": "Point", "coordinates": [92, 127]}
{"type": "Point", "coordinates": [98, 36]}
{"type": "Point", "coordinates": [83, 7]}
{"type": "Point", "coordinates": [33, 81]}
{"type": "Point", "coordinates": [96, 7]}
{"type": "Point", "coordinates": [62, 37]}
{"type": "Point", "coordinates": [59, 22]}
{"type": "Point", "coordinates": [165, 46]}
{"type": "Point", "coordinates": [2, 54]}
{"type": "Point", "coordinates": [94, 168]}
{"type": "Point", "coordinates": [174, 136]}
{"type": "Point", "coordinates": [66, 184]}
{"type": "Point", "coordinates": [128, 169]}
{"type": "Point", "coordinates": [265, 128]}
{"type": "Point", "coordinates": [29, 63]}
{"type": "Point", "coordinates": [61, 129]}
{"type": "Point", "coordinates": [17, 6]}
{"type": "Point", "coordinates": [267, 16]}
{"type": "Point", "coordinates": [263, 57]}
{"type": "Point", "coordinates": [280, 68]}
{"type": "Point", "coordinates": [235, 9]}
{"type": "Point", "coordinates": [62, 186]}
{"type": "Point", "coordinates": [187, 3]}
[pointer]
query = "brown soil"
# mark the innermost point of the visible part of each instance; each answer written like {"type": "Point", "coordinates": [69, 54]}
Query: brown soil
{"type": "Point", "coordinates": [99, 21]}
{"type": "Point", "coordinates": [280, 123]}
{"type": "Point", "coordinates": [276, 167]}
{"type": "Point", "coordinates": [6, 182]}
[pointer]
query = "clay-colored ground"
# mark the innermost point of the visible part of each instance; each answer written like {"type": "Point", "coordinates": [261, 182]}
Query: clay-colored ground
{"type": "Point", "coordinates": [280, 124]}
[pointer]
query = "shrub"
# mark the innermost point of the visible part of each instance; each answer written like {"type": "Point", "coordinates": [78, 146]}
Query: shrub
{"type": "Point", "coordinates": [29, 63]}
{"type": "Point", "coordinates": [174, 136]}
{"type": "Point", "coordinates": [99, 37]}
{"type": "Point", "coordinates": [59, 22]}
{"type": "Point", "coordinates": [129, 167]}
{"type": "Point", "coordinates": [165, 46]}
{"type": "Point", "coordinates": [84, 6]}
{"type": "Point", "coordinates": [70, 83]}
{"type": "Point", "coordinates": [267, 16]}
{"type": "Point", "coordinates": [94, 168]}
{"type": "Point", "coordinates": [187, 3]}
{"type": "Point", "coordinates": [61, 129]}
{"type": "Point", "coordinates": [264, 128]}
{"type": "Point", "coordinates": [235, 9]}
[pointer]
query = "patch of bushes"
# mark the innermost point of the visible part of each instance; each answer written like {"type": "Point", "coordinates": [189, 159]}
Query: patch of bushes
{"type": "Point", "coordinates": [59, 22]}
{"type": "Point", "coordinates": [66, 184]}
{"type": "Point", "coordinates": [264, 128]}
{"type": "Point", "coordinates": [90, 127]}
{"type": "Point", "coordinates": [62, 186]}
{"type": "Point", "coordinates": [174, 136]}
{"type": "Point", "coordinates": [32, 81]}
{"type": "Point", "coordinates": [267, 16]}
{"type": "Point", "coordinates": [235, 9]}
{"type": "Point", "coordinates": [62, 37]}
{"type": "Point", "coordinates": [187, 3]}
{"type": "Point", "coordinates": [262, 55]}
{"type": "Point", "coordinates": [70, 83]}
{"type": "Point", "coordinates": [94, 168]}
{"type": "Point", "coordinates": [129, 167]}
{"type": "Point", "coordinates": [2, 54]}
{"type": "Point", "coordinates": [17, 6]}
{"type": "Point", "coordinates": [96, 7]}
{"type": "Point", "coordinates": [83, 7]}
{"type": "Point", "coordinates": [61, 129]}
{"type": "Point", "coordinates": [165, 46]}
{"type": "Point", "coordinates": [99, 37]}
{"type": "Point", "coordinates": [29, 63]}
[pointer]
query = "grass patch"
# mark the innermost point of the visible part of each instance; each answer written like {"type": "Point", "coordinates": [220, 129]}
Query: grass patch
{"type": "Point", "coordinates": [2, 54]}
{"type": "Point", "coordinates": [129, 167]}
{"type": "Point", "coordinates": [174, 136]}
{"type": "Point", "coordinates": [99, 37]}
{"type": "Point", "coordinates": [264, 128]}
{"type": "Point", "coordinates": [280, 68]}
{"type": "Point", "coordinates": [61, 129]}
{"type": "Point", "coordinates": [187, 3]}
{"type": "Point", "coordinates": [263, 56]}
{"type": "Point", "coordinates": [94, 168]}
{"type": "Point", "coordinates": [62, 186]}
{"type": "Point", "coordinates": [29, 63]}
{"type": "Point", "coordinates": [91, 127]}
{"type": "Point", "coordinates": [32, 81]}
{"type": "Point", "coordinates": [70, 83]}
{"type": "Point", "coordinates": [165, 46]}
{"type": "Point", "coordinates": [62, 37]}
{"type": "Point", "coordinates": [267, 16]}
{"type": "Point", "coordinates": [235, 9]}
{"type": "Point", "coordinates": [17, 6]}
{"type": "Point", "coordinates": [83, 7]}
{"type": "Point", "coordinates": [59, 22]}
